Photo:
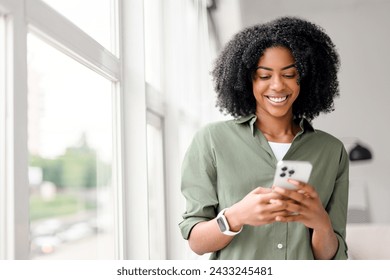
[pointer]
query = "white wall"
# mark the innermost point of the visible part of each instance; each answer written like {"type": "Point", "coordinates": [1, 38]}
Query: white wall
{"type": "Point", "coordinates": [359, 29]}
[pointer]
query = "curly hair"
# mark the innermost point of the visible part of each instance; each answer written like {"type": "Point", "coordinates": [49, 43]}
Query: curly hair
{"type": "Point", "coordinates": [316, 60]}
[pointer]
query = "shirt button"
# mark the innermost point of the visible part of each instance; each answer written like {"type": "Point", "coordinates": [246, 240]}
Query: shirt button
{"type": "Point", "coordinates": [280, 246]}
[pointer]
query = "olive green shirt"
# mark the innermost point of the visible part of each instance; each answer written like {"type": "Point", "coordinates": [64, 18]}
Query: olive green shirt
{"type": "Point", "coordinates": [226, 160]}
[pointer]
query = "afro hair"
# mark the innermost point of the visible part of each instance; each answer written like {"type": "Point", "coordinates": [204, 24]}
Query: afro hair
{"type": "Point", "coordinates": [316, 60]}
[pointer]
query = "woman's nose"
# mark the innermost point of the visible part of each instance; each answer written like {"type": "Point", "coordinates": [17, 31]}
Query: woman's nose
{"type": "Point", "coordinates": [277, 83]}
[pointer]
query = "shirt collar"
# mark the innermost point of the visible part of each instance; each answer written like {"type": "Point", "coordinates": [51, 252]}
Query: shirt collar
{"type": "Point", "coordinates": [251, 119]}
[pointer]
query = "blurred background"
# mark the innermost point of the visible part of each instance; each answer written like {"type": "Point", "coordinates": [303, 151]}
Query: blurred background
{"type": "Point", "coordinates": [100, 99]}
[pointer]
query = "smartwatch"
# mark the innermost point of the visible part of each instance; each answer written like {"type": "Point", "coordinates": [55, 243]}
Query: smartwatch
{"type": "Point", "coordinates": [224, 225]}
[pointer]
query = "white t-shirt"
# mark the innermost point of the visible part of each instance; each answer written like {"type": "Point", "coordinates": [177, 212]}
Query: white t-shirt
{"type": "Point", "coordinates": [279, 149]}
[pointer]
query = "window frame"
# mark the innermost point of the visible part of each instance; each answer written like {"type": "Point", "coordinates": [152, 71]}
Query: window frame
{"type": "Point", "coordinates": [158, 230]}
{"type": "Point", "coordinates": [15, 229]}
{"type": "Point", "coordinates": [3, 71]}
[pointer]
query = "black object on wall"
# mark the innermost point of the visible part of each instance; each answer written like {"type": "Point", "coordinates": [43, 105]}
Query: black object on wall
{"type": "Point", "coordinates": [359, 152]}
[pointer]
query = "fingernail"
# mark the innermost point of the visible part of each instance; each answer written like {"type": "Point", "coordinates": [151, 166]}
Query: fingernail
{"type": "Point", "coordinates": [292, 181]}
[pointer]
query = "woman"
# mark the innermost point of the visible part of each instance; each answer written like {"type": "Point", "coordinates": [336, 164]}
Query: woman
{"type": "Point", "coordinates": [273, 78]}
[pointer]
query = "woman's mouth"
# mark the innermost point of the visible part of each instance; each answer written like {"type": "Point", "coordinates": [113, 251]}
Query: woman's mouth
{"type": "Point", "coordinates": [275, 99]}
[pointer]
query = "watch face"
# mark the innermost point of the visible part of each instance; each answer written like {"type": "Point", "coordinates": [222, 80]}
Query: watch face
{"type": "Point", "coordinates": [221, 224]}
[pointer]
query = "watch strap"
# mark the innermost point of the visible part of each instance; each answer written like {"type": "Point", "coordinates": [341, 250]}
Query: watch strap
{"type": "Point", "coordinates": [224, 225]}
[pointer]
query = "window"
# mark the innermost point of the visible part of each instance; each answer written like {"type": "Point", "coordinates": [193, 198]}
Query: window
{"type": "Point", "coordinates": [155, 129]}
{"type": "Point", "coordinates": [178, 98]}
{"type": "Point", "coordinates": [91, 125]}
{"type": "Point", "coordinates": [70, 157]}
{"type": "Point", "coordinates": [153, 43]}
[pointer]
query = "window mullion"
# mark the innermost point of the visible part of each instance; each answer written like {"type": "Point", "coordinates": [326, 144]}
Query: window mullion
{"type": "Point", "coordinates": [15, 191]}
{"type": "Point", "coordinates": [134, 131]}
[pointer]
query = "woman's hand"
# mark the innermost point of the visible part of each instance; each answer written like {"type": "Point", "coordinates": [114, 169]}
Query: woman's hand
{"type": "Point", "coordinates": [255, 209]}
{"type": "Point", "coordinates": [304, 206]}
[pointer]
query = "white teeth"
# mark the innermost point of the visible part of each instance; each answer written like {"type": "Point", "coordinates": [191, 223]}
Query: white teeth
{"type": "Point", "coordinates": [277, 99]}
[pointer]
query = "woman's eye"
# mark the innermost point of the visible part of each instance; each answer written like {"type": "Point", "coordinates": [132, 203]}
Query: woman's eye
{"type": "Point", "coordinates": [264, 77]}
{"type": "Point", "coordinates": [289, 76]}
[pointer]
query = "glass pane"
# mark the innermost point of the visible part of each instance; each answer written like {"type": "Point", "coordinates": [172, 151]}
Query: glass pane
{"type": "Point", "coordinates": [153, 43]}
{"type": "Point", "coordinates": [70, 147]}
{"type": "Point", "coordinates": [95, 17]}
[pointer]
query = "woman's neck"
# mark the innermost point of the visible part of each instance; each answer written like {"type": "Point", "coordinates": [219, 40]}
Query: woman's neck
{"type": "Point", "coordinates": [280, 130]}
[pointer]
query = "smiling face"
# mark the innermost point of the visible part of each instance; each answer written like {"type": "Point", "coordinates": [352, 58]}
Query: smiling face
{"type": "Point", "coordinates": [275, 83]}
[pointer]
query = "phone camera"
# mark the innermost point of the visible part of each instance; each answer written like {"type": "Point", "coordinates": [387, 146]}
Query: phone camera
{"type": "Point", "coordinates": [285, 170]}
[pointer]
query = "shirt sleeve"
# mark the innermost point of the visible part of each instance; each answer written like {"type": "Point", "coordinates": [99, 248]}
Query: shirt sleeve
{"type": "Point", "coordinates": [338, 206]}
{"type": "Point", "coordinates": [198, 183]}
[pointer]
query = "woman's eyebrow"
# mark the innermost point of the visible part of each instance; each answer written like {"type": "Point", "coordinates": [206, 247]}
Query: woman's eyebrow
{"type": "Point", "coordinates": [270, 69]}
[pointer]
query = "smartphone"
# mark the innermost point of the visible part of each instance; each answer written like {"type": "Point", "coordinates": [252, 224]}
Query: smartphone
{"type": "Point", "coordinates": [291, 169]}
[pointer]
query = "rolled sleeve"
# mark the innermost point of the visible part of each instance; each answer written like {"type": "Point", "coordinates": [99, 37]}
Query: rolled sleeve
{"type": "Point", "coordinates": [342, 251]}
{"type": "Point", "coordinates": [198, 183]}
{"type": "Point", "coordinates": [338, 207]}
{"type": "Point", "coordinates": [187, 224]}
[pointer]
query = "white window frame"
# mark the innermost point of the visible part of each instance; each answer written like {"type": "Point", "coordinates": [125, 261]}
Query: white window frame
{"type": "Point", "coordinates": [156, 189]}
{"type": "Point", "coordinates": [3, 72]}
{"type": "Point", "coordinates": [13, 225]}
